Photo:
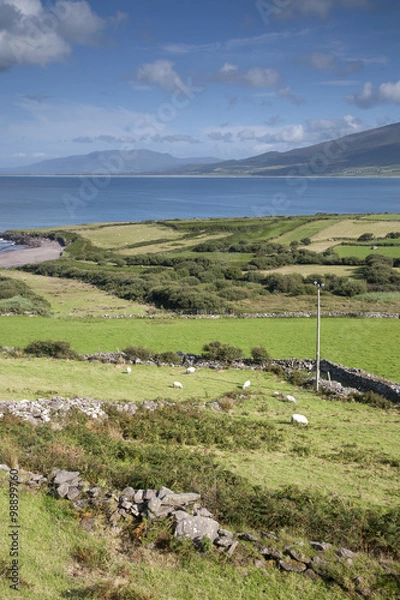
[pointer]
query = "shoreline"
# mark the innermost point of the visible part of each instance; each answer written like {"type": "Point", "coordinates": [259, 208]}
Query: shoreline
{"type": "Point", "coordinates": [48, 250]}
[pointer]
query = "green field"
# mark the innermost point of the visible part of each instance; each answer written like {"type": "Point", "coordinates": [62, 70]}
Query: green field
{"type": "Point", "coordinates": [370, 344]}
{"type": "Point", "coordinates": [346, 462]}
{"type": "Point", "coordinates": [335, 480]}
{"type": "Point", "coordinates": [364, 251]}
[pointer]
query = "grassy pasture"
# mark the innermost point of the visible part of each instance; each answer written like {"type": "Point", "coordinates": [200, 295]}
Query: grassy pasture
{"type": "Point", "coordinates": [347, 446]}
{"type": "Point", "coordinates": [370, 344]}
{"type": "Point", "coordinates": [31, 378]}
{"type": "Point", "coordinates": [307, 230]}
{"type": "Point", "coordinates": [76, 298]}
{"type": "Point", "coordinates": [306, 270]}
{"type": "Point", "coordinates": [349, 228]}
{"type": "Point", "coordinates": [363, 251]}
{"type": "Point", "coordinates": [177, 244]}
{"type": "Point", "coordinates": [117, 235]}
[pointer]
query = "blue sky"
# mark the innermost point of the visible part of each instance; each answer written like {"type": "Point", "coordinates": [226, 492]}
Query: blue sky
{"type": "Point", "coordinates": [220, 78]}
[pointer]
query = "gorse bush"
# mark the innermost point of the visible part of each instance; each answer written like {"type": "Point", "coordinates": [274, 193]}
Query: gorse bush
{"type": "Point", "coordinates": [53, 349]}
{"type": "Point", "coordinates": [260, 355]}
{"type": "Point", "coordinates": [219, 351]}
{"type": "Point", "coordinates": [134, 352]}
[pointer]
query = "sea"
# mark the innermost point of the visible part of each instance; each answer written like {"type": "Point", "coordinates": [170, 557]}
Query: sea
{"type": "Point", "coordinates": [32, 202]}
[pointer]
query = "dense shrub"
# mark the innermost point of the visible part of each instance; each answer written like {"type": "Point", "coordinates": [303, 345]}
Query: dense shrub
{"type": "Point", "coordinates": [373, 399]}
{"type": "Point", "coordinates": [134, 352]}
{"type": "Point", "coordinates": [54, 349]}
{"type": "Point", "coordinates": [365, 237]}
{"type": "Point", "coordinates": [168, 357]}
{"type": "Point", "coordinates": [305, 241]}
{"type": "Point", "coordinates": [260, 355]}
{"type": "Point", "coordinates": [17, 297]}
{"type": "Point", "coordinates": [224, 352]}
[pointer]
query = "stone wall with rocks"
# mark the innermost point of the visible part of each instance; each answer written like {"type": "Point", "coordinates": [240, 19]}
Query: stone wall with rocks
{"type": "Point", "coordinates": [189, 519]}
{"type": "Point", "coordinates": [353, 379]}
{"type": "Point", "coordinates": [42, 411]}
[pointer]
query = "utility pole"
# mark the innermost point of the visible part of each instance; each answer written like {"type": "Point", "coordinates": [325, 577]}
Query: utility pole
{"type": "Point", "coordinates": [318, 350]}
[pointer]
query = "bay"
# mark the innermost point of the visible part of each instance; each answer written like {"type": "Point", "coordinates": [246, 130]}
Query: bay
{"type": "Point", "coordinates": [30, 202]}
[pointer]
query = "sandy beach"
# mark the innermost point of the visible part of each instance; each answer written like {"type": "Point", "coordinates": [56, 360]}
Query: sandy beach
{"type": "Point", "coordinates": [48, 250]}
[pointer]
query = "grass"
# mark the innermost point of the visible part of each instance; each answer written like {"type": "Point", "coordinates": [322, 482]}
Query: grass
{"type": "Point", "coordinates": [347, 447]}
{"type": "Point", "coordinates": [40, 377]}
{"type": "Point", "coordinates": [323, 481]}
{"type": "Point", "coordinates": [363, 251]}
{"type": "Point", "coordinates": [76, 298]}
{"type": "Point", "coordinates": [88, 561]}
{"type": "Point", "coordinates": [307, 230]}
{"type": "Point", "coordinates": [43, 572]}
{"type": "Point", "coordinates": [118, 235]}
{"type": "Point", "coordinates": [306, 270]}
{"type": "Point", "coordinates": [348, 228]}
{"type": "Point", "coordinates": [370, 344]}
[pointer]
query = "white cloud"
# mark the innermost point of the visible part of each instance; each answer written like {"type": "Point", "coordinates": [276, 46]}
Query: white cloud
{"type": "Point", "coordinates": [319, 130]}
{"type": "Point", "coordinates": [390, 92]}
{"type": "Point", "coordinates": [78, 23]}
{"type": "Point", "coordinates": [369, 96]}
{"type": "Point", "coordinates": [289, 95]}
{"type": "Point", "coordinates": [319, 9]}
{"type": "Point", "coordinates": [35, 33]}
{"type": "Point", "coordinates": [160, 73]}
{"type": "Point", "coordinates": [258, 77]}
{"type": "Point", "coordinates": [328, 61]}
{"type": "Point", "coordinates": [51, 122]}
{"type": "Point", "coordinates": [255, 77]}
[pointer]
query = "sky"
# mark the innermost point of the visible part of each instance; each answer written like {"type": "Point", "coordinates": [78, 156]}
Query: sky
{"type": "Point", "coordinates": [221, 78]}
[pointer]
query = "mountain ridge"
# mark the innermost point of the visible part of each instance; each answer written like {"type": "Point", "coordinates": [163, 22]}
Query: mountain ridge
{"type": "Point", "coordinates": [371, 152]}
{"type": "Point", "coordinates": [108, 162]}
{"type": "Point", "coordinates": [374, 151]}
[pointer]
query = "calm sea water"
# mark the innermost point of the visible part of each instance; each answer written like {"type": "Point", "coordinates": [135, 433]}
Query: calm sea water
{"type": "Point", "coordinates": [27, 202]}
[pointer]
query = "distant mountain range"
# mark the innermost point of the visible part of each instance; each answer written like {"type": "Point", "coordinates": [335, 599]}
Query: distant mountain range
{"type": "Point", "coordinates": [372, 152]}
{"type": "Point", "coordinates": [109, 162]}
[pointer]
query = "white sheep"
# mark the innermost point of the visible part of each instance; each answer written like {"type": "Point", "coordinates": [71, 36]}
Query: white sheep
{"type": "Point", "coordinates": [190, 370]}
{"type": "Point", "coordinates": [246, 385]}
{"type": "Point", "coordinates": [128, 370]}
{"type": "Point", "coordinates": [299, 419]}
{"type": "Point", "coordinates": [177, 385]}
{"type": "Point", "coordinates": [290, 398]}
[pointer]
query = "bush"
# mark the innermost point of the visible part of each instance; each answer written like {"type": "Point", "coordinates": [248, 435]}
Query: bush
{"type": "Point", "coordinates": [305, 241]}
{"type": "Point", "coordinates": [54, 349]}
{"type": "Point", "coordinates": [366, 237]}
{"type": "Point", "coordinates": [218, 351]}
{"type": "Point", "coordinates": [260, 355]}
{"type": "Point", "coordinates": [168, 357]}
{"type": "Point", "coordinates": [373, 399]}
{"type": "Point", "coordinates": [134, 352]}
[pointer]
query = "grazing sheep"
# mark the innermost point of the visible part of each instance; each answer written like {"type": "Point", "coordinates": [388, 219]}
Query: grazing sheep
{"type": "Point", "coordinates": [177, 385]}
{"type": "Point", "coordinates": [299, 419]}
{"type": "Point", "coordinates": [128, 370]}
{"type": "Point", "coordinates": [190, 370]}
{"type": "Point", "coordinates": [290, 398]}
{"type": "Point", "coordinates": [246, 384]}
